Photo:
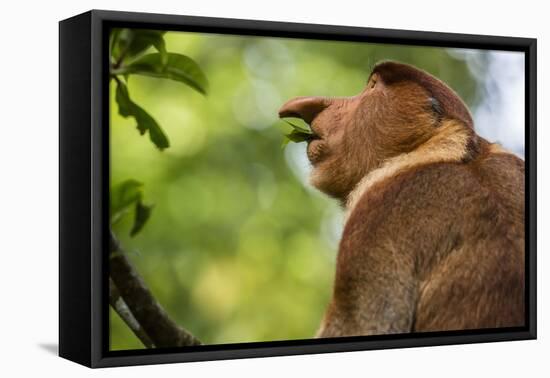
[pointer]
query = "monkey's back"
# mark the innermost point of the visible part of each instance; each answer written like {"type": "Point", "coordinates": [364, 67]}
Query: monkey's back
{"type": "Point", "coordinates": [475, 278]}
{"type": "Point", "coordinates": [460, 228]}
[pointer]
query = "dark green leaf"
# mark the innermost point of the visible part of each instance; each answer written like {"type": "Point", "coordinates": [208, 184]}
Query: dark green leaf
{"type": "Point", "coordinates": [122, 196]}
{"type": "Point", "coordinates": [161, 48]}
{"type": "Point", "coordinates": [128, 108]}
{"type": "Point", "coordinates": [117, 41]}
{"type": "Point", "coordinates": [113, 41]}
{"type": "Point", "coordinates": [143, 39]}
{"type": "Point", "coordinates": [143, 213]}
{"type": "Point", "coordinates": [133, 42]}
{"type": "Point", "coordinates": [177, 67]}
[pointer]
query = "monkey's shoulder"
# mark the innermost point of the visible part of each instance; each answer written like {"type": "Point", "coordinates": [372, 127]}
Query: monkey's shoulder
{"type": "Point", "coordinates": [430, 198]}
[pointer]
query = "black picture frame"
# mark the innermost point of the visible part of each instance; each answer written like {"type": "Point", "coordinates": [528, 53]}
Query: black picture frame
{"type": "Point", "coordinates": [84, 192]}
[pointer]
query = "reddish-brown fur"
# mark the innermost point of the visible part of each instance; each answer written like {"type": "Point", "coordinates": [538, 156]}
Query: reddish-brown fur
{"type": "Point", "coordinates": [434, 238]}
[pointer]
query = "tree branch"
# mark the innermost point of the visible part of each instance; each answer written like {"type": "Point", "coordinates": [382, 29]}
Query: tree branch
{"type": "Point", "coordinates": [121, 308]}
{"type": "Point", "coordinates": [154, 321]}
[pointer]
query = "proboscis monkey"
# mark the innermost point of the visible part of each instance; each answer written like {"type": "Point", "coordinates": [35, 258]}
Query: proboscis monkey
{"type": "Point", "coordinates": [434, 233]}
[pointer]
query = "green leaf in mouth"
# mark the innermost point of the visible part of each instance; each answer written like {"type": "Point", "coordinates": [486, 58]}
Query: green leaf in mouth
{"type": "Point", "coordinates": [298, 134]}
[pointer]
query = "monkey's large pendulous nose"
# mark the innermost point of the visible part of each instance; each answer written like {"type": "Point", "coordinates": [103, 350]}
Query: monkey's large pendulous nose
{"type": "Point", "coordinates": [305, 108]}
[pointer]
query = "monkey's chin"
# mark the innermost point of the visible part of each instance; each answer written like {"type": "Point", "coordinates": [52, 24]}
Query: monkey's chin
{"type": "Point", "coordinates": [322, 180]}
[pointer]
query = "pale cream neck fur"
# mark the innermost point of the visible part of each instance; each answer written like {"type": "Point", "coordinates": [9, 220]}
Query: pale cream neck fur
{"type": "Point", "coordinates": [448, 145]}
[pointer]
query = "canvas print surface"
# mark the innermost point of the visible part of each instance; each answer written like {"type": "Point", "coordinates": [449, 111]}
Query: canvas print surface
{"type": "Point", "coordinates": [271, 189]}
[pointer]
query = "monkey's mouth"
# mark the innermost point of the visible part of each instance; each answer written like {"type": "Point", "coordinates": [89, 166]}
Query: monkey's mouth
{"type": "Point", "coordinates": [313, 136]}
{"type": "Point", "coordinates": [305, 133]}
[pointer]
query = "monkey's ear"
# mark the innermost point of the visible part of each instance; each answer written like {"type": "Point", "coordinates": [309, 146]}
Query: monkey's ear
{"type": "Point", "coordinates": [437, 109]}
{"type": "Point", "coordinates": [373, 80]}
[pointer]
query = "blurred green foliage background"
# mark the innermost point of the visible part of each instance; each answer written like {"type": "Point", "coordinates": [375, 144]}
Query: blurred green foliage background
{"type": "Point", "coordinates": [239, 247]}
